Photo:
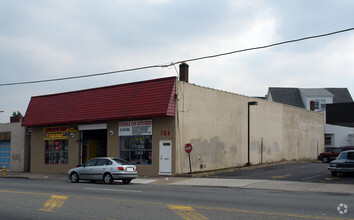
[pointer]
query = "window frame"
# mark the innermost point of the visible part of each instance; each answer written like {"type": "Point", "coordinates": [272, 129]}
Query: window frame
{"type": "Point", "coordinates": [319, 104]}
{"type": "Point", "coordinates": [130, 150]}
{"type": "Point", "coordinates": [328, 142]}
{"type": "Point", "coordinates": [56, 153]}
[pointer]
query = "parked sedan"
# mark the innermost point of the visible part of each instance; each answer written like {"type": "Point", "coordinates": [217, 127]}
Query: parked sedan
{"type": "Point", "coordinates": [343, 164]}
{"type": "Point", "coordinates": [107, 169]}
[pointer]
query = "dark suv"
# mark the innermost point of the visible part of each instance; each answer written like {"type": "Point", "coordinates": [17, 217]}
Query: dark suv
{"type": "Point", "coordinates": [327, 157]}
{"type": "Point", "coordinates": [343, 164]}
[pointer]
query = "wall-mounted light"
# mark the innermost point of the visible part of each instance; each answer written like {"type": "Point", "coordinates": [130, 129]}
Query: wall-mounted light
{"type": "Point", "coordinates": [111, 132]}
{"type": "Point", "coordinates": [72, 135]}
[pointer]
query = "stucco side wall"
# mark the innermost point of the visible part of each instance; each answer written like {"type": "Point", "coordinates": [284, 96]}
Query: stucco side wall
{"type": "Point", "coordinates": [215, 126]}
{"type": "Point", "coordinates": [266, 131]}
{"type": "Point", "coordinates": [18, 159]}
{"type": "Point", "coordinates": [303, 134]}
{"type": "Point", "coordinates": [215, 123]}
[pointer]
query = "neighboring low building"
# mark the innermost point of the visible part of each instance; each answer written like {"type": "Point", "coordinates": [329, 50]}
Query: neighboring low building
{"type": "Point", "coordinates": [149, 123]}
{"type": "Point", "coordinates": [335, 136]}
{"type": "Point", "coordinates": [14, 149]}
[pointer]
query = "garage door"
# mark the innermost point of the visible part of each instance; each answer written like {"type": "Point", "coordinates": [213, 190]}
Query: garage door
{"type": "Point", "coordinates": [5, 154]}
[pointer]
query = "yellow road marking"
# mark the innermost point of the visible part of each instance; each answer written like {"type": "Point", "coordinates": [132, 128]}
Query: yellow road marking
{"type": "Point", "coordinates": [54, 202]}
{"type": "Point", "coordinates": [25, 193]}
{"type": "Point", "coordinates": [280, 177]}
{"type": "Point", "coordinates": [332, 178]}
{"type": "Point", "coordinates": [252, 212]}
{"type": "Point", "coordinates": [187, 212]}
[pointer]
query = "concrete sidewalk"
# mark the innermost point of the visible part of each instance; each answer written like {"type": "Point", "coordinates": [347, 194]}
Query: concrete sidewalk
{"type": "Point", "coordinates": [210, 182]}
{"type": "Point", "coordinates": [269, 184]}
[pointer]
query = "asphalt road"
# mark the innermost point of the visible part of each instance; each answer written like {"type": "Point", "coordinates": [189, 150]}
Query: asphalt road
{"type": "Point", "coordinates": [300, 172]}
{"type": "Point", "coordinates": [58, 199]}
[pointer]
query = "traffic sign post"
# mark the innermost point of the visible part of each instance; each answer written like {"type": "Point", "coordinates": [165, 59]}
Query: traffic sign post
{"type": "Point", "coordinates": [188, 148]}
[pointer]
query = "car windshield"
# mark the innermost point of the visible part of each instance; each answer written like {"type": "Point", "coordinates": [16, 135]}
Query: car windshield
{"type": "Point", "coordinates": [342, 156]}
{"type": "Point", "coordinates": [121, 161]}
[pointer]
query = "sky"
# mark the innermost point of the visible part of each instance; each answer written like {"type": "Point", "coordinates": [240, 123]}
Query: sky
{"type": "Point", "coordinates": [47, 39]}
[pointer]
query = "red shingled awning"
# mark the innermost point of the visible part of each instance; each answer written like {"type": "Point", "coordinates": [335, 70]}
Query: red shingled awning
{"type": "Point", "coordinates": [152, 98]}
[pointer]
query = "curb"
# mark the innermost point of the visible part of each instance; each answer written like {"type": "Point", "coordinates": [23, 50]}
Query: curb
{"type": "Point", "coordinates": [239, 168]}
{"type": "Point", "coordinates": [14, 177]}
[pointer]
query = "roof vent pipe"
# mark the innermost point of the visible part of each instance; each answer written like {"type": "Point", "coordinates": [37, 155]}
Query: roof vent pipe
{"type": "Point", "coordinates": [183, 72]}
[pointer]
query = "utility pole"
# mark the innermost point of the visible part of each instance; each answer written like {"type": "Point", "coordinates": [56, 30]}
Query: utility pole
{"type": "Point", "coordinates": [249, 151]}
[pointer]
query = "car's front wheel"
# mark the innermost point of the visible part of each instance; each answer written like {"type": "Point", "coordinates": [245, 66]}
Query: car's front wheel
{"type": "Point", "coordinates": [334, 173]}
{"type": "Point", "coordinates": [325, 160]}
{"type": "Point", "coordinates": [74, 177]}
{"type": "Point", "coordinates": [107, 178]}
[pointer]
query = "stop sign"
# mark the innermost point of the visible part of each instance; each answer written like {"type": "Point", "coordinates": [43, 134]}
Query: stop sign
{"type": "Point", "coordinates": [188, 148]}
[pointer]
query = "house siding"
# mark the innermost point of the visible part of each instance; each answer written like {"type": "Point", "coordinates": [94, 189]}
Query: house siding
{"type": "Point", "coordinates": [341, 135]}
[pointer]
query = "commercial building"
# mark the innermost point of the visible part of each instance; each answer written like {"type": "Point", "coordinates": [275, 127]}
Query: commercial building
{"type": "Point", "coordinates": [14, 149]}
{"type": "Point", "coordinates": [149, 124]}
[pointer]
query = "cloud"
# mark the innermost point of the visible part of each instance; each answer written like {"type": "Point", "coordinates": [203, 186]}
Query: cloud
{"type": "Point", "coordinates": [50, 39]}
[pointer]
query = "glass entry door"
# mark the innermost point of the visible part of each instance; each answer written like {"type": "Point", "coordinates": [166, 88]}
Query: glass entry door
{"type": "Point", "coordinates": [94, 144]}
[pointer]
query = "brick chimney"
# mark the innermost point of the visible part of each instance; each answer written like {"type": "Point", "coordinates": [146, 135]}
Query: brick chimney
{"type": "Point", "coordinates": [15, 119]}
{"type": "Point", "coordinates": [312, 105]}
{"type": "Point", "coordinates": [183, 72]}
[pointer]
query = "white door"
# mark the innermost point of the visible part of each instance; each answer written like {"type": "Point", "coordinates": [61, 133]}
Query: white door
{"type": "Point", "coordinates": [165, 164]}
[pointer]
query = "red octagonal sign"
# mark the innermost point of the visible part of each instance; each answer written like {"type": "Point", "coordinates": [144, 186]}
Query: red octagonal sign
{"type": "Point", "coordinates": [188, 148]}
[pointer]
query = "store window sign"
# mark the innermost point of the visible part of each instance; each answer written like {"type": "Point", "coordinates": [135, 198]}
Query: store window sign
{"type": "Point", "coordinates": [56, 133]}
{"type": "Point", "coordinates": [133, 128]}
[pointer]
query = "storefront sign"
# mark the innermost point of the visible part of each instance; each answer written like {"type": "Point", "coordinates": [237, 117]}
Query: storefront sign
{"type": "Point", "coordinates": [56, 133]}
{"type": "Point", "coordinates": [72, 130]}
{"type": "Point", "coordinates": [132, 128]}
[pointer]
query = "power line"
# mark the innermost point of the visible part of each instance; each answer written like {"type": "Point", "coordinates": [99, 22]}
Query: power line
{"type": "Point", "coordinates": [84, 76]}
{"type": "Point", "coordinates": [179, 62]}
{"type": "Point", "coordinates": [267, 46]}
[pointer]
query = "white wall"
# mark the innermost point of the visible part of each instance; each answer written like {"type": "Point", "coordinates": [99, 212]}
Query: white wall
{"type": "Point", "coordinates": [215, 123]}
{"type": "Point", "coordinates": [342, 135]}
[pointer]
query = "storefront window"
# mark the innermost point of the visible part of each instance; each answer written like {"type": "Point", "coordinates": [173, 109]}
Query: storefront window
{"type": "Point", "coordinates": [56, 151]}
{"type": "Point", "coordinates": [136, 149]}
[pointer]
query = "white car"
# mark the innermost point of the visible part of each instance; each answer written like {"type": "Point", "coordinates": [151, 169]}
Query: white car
{"type": "Point", "coordinates": [107, 169]}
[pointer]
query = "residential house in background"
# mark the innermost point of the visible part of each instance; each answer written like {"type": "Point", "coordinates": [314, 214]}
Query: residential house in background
{"type": "Point", "coordinates": [335, 136]}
